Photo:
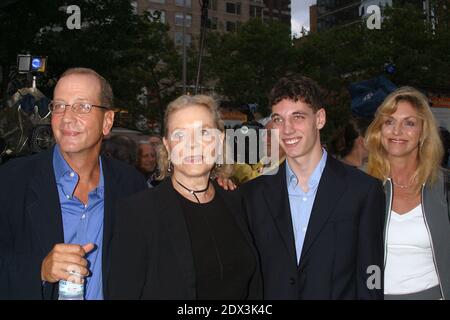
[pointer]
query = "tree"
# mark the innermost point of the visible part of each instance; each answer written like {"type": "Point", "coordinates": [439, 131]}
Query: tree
{"type": "Point", "coordinates": [338, 57]}
{"type": "Point", "coordinates": [20, 22]}
{"type": "Point", "coordinates": [247, 63]}
{"type": "Point", "coordinates": [132, 51]}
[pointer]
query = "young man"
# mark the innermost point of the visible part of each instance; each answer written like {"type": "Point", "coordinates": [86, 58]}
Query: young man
{"type": "Point", "coordinates": [317, 223]}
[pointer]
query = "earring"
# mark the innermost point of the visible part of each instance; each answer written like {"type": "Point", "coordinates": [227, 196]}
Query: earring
{"type": "Point", "coordinates": [169, 168]}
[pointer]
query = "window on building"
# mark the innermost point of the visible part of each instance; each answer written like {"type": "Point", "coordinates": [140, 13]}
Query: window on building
{"type": "Point", "coordinates": [134, 7]}
{"type": "Point", "coordinates": [256, 12]}
{"type": "Point", "coordinates": [230, 26]}
{"type": "Point", "coordinates": [234, 8]}
{"type": "Point", "coordinates": [180, 3]}
{"type": "Point", "coordinates": [212, 5]}
{"type": "Point", "coordinates": [179, 20]}
{"type": "Point", "coordinates": [156, 15]}
{"type": "Point", "coordinates": [212, 23]}
{"type": "Point", "coordinates": [179, 39]}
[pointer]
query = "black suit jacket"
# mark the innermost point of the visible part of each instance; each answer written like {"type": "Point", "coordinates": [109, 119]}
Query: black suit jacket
{"type": "Point", "coordinates": [344, 235]}
{"type": "Point", "coordinates": [151, 249]}
{"type": "Point", "coordinates": [31, 220]}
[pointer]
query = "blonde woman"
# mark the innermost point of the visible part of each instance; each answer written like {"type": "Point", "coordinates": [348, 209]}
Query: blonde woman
{"type": "Point", "coordinates": [186, 238]}
{"type": "Point", "coordinates": [405, 151]}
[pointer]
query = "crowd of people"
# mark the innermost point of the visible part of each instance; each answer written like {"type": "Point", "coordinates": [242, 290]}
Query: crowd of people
{"type": "Point", "coordinates": [167, 218]}
{"type": "Point", "coordinates": [141, 154]}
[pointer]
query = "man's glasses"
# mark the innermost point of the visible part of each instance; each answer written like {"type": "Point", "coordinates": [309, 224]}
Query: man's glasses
{"type": "Point", "coordinates": [77, 107]}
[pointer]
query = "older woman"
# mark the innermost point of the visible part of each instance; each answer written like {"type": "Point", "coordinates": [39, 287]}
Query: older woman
{"type": "Point", "coordinates": [405, 151]}
{"type": "Point", "coordinates": [186, 238]}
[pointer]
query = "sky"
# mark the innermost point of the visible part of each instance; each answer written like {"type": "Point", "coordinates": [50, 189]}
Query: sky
{"type": "Point", "coordinates": [300, 15]}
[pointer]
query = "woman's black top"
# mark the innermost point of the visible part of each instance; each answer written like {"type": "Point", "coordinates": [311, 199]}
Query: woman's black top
{"type": "Point", "coordinates": [223, 261]}
{"type": "Point", "coordinates": [166, 247]}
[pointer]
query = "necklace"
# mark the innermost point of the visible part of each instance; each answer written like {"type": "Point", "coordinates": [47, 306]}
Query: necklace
{"type": "Point", "coordinates": [402, 186]}
{"type": "Point", "coordinates": [193, 192]}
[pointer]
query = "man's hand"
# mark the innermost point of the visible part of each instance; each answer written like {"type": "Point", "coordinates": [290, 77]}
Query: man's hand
{"type": "Point", "coordinates": [64, 261]}
{"type": "Point", "coordinates": [226, 183]}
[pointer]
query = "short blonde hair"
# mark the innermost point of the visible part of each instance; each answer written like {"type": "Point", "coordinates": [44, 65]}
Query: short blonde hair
{"type": "Point", "coordinates": [431, 150]}
{"type": "Point", "coordinates": [181, 103]}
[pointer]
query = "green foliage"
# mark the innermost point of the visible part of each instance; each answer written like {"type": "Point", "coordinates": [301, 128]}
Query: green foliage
{"type": "Point", "coordinates": [247, 63]}
{"type": "Point", "coordinates": [131, 51]}
{"type": "Point", "coordinates": [340, 56]}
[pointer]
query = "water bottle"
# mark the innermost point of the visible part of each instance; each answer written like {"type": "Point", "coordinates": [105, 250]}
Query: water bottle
{"type": "Point", "coordinates": [71, 290]}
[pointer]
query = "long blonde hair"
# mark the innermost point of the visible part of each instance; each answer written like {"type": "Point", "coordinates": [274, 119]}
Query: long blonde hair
{"type": "Point", "coordinates": [181, 103]}
{"type": "Point", "coordinates": [431, 150]}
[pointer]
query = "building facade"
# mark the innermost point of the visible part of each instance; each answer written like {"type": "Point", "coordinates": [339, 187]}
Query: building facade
{"type": "Point", "coordinates": [341, 13]}
{"type": "Point", "coordinates": [223, 15]}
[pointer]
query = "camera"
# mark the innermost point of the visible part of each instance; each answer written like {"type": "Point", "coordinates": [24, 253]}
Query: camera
{"type": "Point", "coordinates": [27, 63]}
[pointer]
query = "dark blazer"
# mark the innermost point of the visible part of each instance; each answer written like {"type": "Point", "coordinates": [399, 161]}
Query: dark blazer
{"type": "Point", "coordinates": [151, 249]}
{"type": "Point", "coordinates": [344, 235]}
{"type": "Point", "coordinates": [31, 220]}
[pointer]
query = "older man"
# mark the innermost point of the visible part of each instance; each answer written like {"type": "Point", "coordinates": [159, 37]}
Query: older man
{"type": "Point", "coordinates": [57, 207]}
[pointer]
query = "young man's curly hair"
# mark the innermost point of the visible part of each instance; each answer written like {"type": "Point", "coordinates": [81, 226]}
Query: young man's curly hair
{"type": "Point", "coordinates": [297, 88]}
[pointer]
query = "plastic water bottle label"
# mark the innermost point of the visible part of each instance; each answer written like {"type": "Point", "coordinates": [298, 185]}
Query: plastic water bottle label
{"type": "Point", "coordinates": [69, 289]}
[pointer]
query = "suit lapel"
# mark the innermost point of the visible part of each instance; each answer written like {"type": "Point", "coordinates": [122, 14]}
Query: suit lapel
{"type": "Point", "coordinates": [277, 200]}
{"type": "Point", "coordinates": [43, 204]}
{"type": "Point", "coordinates": [172, 215]}
{"type": "Point", "coordinates": [331, 187]}
{"type": "Point", "coordinates": [234, 206]}
{"type": "Point", "coordinates": [111, 189]}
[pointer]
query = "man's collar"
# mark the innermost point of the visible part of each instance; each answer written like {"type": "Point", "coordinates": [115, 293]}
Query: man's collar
{"type": "Point", "coordinates": [315, 176]}
{"type": "Point", "coordinates": [60, 164]}
{"type": "Point", "coordinates": [62, 168]}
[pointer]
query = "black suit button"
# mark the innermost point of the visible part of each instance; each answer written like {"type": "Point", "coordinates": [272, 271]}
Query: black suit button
{"type": "Point", "coordinates": [292, 281]}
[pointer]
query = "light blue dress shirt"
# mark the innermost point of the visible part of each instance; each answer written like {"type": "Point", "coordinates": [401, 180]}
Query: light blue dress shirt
{"type": "Point", "coordinates": [301, 203]}
{"type": "Point", "coordinates": [82, 224]}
